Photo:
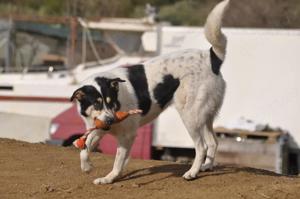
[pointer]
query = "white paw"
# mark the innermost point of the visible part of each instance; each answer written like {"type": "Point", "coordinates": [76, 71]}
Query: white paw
{"type": "Point", "coordinates": [104, 180]}
{"type": "Point", "coordinates": [190, 175]}
{"type": "Point", "coordinates": [207, 167]}
{"type": "Point", "coordinates": [86, 166]}
{"type": "Point", "coordinates": [85, 163]}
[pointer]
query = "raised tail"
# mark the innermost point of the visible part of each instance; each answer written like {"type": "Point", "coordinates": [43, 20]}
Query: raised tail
{"type": "Point", "coordinates": [212, 29]}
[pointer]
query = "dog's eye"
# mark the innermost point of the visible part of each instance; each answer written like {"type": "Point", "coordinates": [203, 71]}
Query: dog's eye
{"type": "Point", "coordinates": [98, 106]}
{"type": "Point", "coordinates": [99, 100]}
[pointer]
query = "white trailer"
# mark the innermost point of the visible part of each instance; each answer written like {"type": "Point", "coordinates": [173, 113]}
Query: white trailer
{"type": "Point", "coordinates": [261, 71]}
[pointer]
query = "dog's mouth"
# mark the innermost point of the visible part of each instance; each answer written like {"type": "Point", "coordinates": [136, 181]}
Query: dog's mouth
{"type": "Point", "coordinates": [99, 124]}
{"type": "Point", "coordinates": [108, 122]}
{"type": "Point", "coordinates": [106, 128]}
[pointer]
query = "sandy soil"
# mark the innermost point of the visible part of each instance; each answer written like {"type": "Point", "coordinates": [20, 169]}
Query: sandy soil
{"type": "Point", "coordinates": [42, 171]}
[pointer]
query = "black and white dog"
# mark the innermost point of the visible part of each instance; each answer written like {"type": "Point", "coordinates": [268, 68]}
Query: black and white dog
{"type": "Point", "coordinates": [190, 79]}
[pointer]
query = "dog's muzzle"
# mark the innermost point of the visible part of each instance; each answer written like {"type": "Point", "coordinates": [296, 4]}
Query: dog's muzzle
{"type": "Point", "coordinates": [109, 121]}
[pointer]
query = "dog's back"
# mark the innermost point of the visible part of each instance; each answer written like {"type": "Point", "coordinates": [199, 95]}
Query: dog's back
{"type": "Point", "coordinates": [183, 74]}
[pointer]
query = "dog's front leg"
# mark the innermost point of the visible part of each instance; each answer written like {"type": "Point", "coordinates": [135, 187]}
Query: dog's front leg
{"type": "Point", "coordinates": [91, 142]}
{"type": "Point", "coordinates": [122, 154]}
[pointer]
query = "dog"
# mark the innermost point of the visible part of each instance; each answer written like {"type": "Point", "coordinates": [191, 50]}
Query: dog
{"type": "Point", "coordinates": [189, 79]}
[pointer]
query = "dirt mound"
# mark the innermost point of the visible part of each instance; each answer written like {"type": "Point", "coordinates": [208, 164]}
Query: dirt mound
{"type": "Point", "coordinates": [42, 171]}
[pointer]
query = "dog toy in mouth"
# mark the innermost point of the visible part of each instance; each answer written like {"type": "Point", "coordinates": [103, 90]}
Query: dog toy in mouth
{"type": "Point", "coordinates": [99, 124]}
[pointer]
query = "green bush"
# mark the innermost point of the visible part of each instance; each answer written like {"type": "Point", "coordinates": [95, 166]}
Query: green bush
{"type": "Point", "coordinates": [242, 13]}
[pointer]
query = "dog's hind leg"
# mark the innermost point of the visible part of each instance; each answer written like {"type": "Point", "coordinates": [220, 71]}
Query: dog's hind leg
{"type": "Point", "coordinates": [125, 141]}
{"type": "Point", "coordinates": [200, 150]}
{"type": "Point", "coordinates": [195, 127]}
{"type": "Point", "coordinates": [212, 145]}
{"type": "Point", "coordinates": [91, 142]}
{"type": "Point", "coordinates": [197, 109]}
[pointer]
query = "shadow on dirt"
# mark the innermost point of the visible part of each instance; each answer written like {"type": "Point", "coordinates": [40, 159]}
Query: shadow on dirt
{"type": "Point", "coordinates": [177, 170]}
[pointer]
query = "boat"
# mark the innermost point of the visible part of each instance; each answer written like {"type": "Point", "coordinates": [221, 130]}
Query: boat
{"type": "Point", "coordinates": [33, 94]}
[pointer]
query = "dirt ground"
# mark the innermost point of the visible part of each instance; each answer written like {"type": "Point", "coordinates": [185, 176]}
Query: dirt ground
{"type": "Point", "coordinates": [42, 171]}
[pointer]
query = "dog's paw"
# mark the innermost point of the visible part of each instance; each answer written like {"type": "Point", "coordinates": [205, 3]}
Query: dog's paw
{"type": "Point", "coordinates": [86, 166]}
{"type": "Point", "coordinates": [190, 175]}
{"type": "Point", "coordinates": [85, 163]}
{"type": "Point", "coordinates": [207, 167]}
{"type": "Point", "coordinates": [104, 180]}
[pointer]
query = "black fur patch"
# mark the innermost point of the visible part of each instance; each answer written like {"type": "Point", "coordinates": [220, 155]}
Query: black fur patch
{"type": "Point", "coordinates": [108, 91]}
{"type": "Point", "coordinates": [216, 62]}
{"type": "Point", "coordinates": [91, 95]}
{"type": "Point", "coordinates": [138, 80]}
{"type": "Point", "coordinates": [163, 92]}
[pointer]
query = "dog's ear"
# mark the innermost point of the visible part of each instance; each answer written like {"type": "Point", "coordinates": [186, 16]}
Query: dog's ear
{"type": "Point", "coordinates": [78, 94]}
{"type": "Point", "coordinates": [114, 83]}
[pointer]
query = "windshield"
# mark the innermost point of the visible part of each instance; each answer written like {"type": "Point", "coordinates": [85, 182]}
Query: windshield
{"type": "Point", "coordinates": [32, 47]}
{"type": "Point", "coordinates": [129, 42]}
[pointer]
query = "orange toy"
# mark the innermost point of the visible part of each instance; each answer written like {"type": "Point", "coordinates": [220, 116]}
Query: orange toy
{"type": "Point", "coordinates": [119, 116]}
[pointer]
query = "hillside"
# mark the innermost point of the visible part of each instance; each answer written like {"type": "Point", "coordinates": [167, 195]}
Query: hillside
{"type": "Point", "coordinates": [42, 171]}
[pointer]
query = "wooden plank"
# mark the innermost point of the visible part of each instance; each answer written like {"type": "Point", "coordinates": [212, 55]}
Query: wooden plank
{"type": "Point", "coordinates": [255, 133]}
{"type": "Point", "coordinates": [270, 135]}
{"type": "Point", "coordinates": [247, 146]}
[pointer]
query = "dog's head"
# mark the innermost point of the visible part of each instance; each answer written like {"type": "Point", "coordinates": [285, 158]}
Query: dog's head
{"type": "Point", "coordinates": [101, 104]}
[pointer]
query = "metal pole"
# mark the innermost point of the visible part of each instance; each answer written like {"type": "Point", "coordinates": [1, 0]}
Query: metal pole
{"type": "Point", "coordinates": [158, 38]}
{"type": "Point", "coordinates": [8, 49]}
{"type": "Point", "coordinates": [73, 42]}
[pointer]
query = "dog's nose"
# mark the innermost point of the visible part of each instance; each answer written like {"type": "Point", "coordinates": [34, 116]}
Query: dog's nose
{"type": "Point", "coordinates": [109, 121]}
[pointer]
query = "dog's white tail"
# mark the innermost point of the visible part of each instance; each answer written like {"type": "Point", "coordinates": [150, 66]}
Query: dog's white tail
{"type": "Point", "coordinates": [212, 29]}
